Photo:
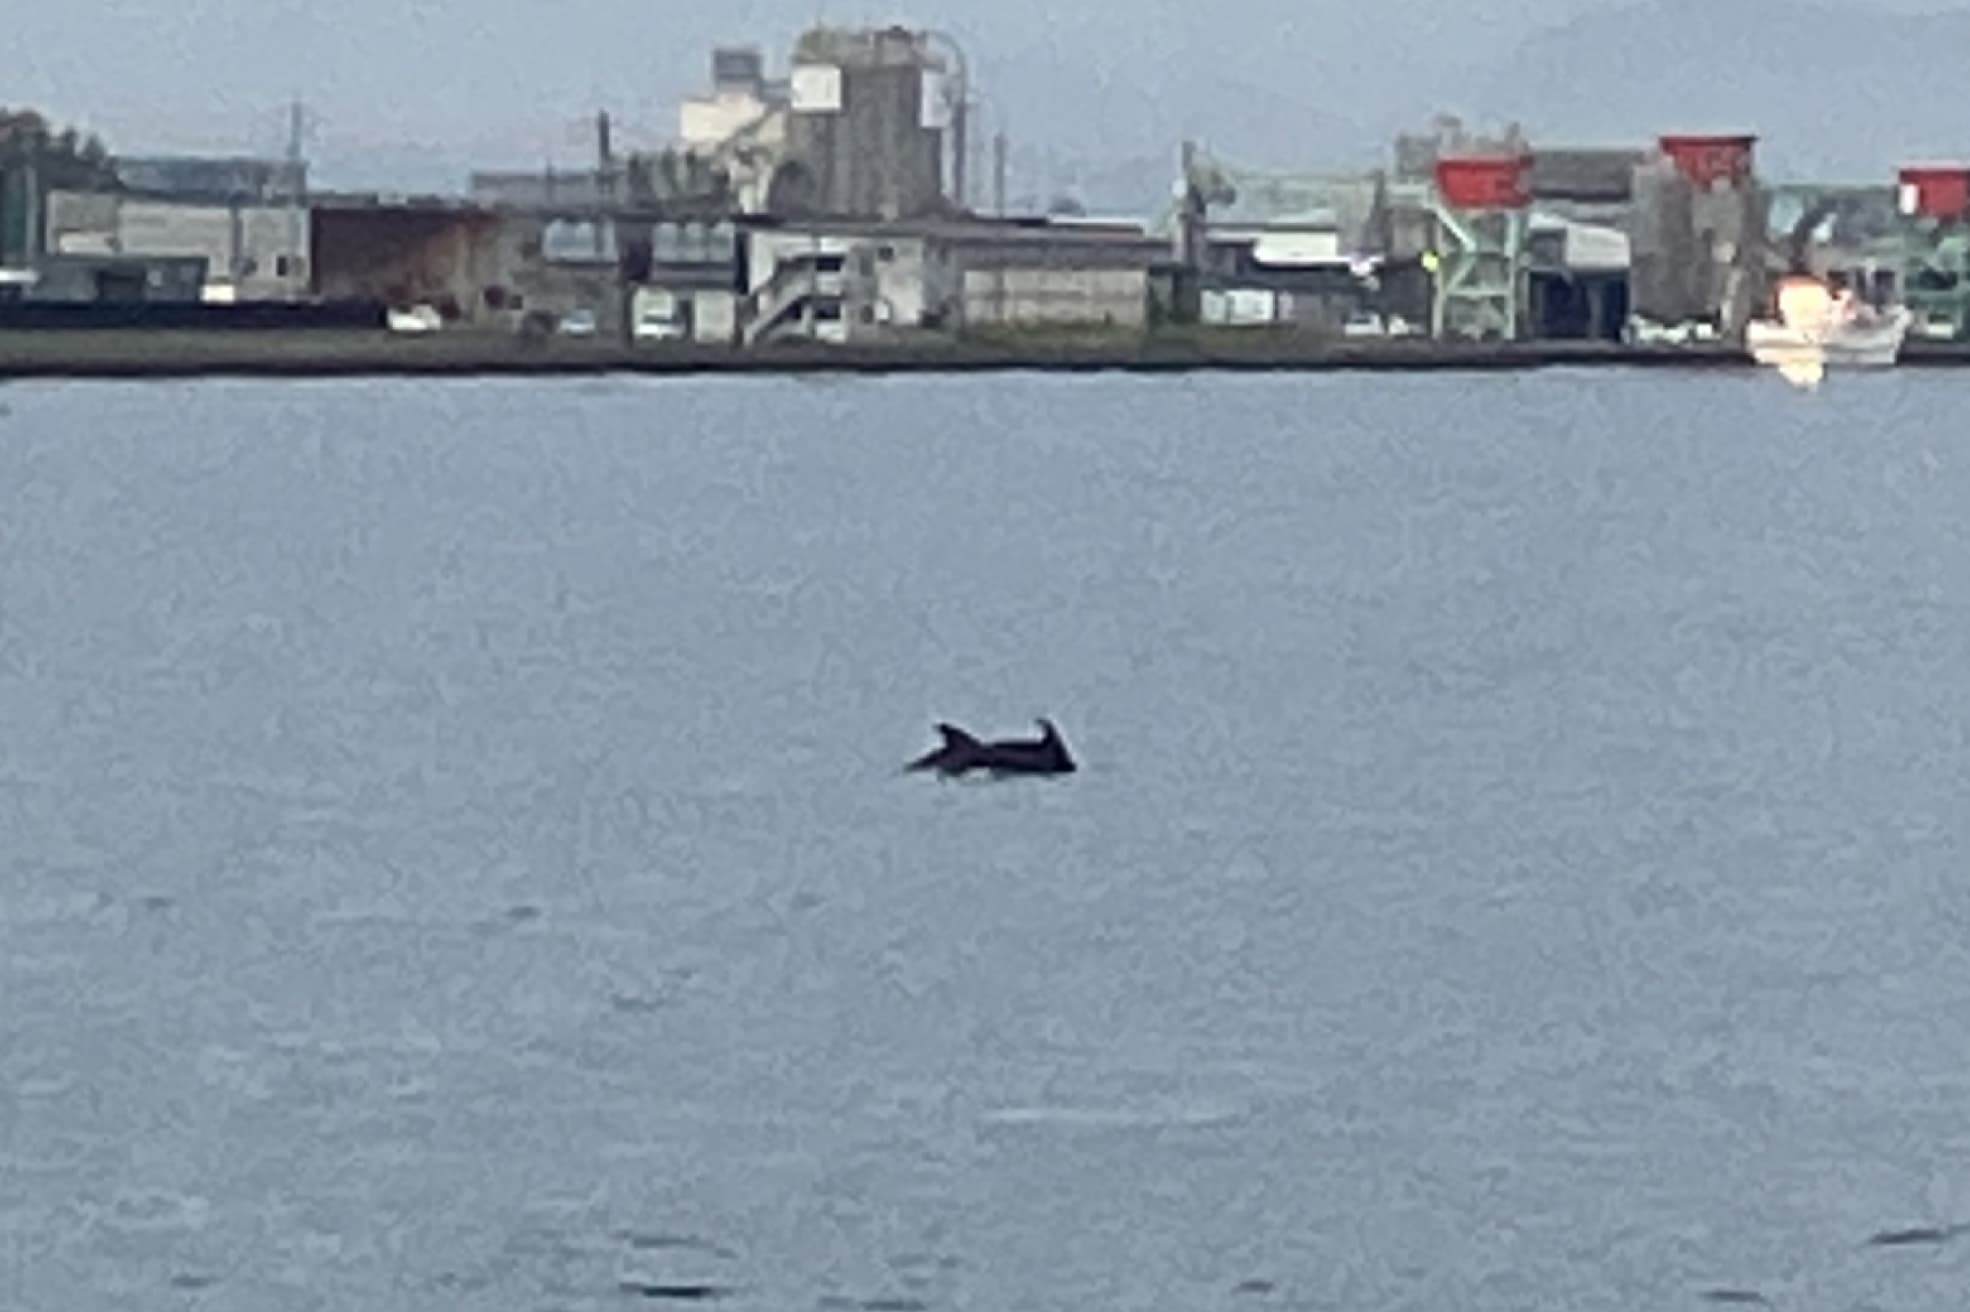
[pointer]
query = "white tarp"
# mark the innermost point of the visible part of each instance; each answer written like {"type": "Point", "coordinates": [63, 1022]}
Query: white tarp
{"type": "Point", "coordinates": [815, 89]}
{"type": "Point", "coordinates": [1588, 247]}
{"type": "Point", "coordinates": [936, 114]}
{"type": "Point", "coordinates": [1298, 249]}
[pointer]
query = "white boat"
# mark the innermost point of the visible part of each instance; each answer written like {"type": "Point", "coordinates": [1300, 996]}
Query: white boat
{"type": "Point", "coordinates": [1818, 329]}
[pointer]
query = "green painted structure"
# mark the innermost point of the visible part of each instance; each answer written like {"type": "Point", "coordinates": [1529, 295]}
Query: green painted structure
{"type": "Point", "coordinates": [1934, 202]}
{"type": "Point", "coordinates": [1480, 259]}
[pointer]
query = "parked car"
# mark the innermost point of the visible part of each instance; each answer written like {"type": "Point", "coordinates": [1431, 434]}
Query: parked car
{"type": "Point", "coordinates": [652, 326]}
{"type": "Point", "coordinates": [1643, 331]}
{"type": "Point", "coordinates": [420, 318]}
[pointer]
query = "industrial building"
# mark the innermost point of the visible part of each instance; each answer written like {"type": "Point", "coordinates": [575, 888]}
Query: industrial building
{"type": "Point", "coordinates": [689, 289]}
{"type": "Point", "coordinates": [445, 254]}
{"type": "Point", "coordinates": [478, 267]}
{"type": "Point", "coordinates": [831, 281]}
{"type": "Point", "coordinates": [244, 220]}
{"type": "Point", "coordinates": [814, 205]}
{"type": "Point", "coordinates": [862, 127]}
{"type": "Point", "coordinates": [253, 250]}
{"type": "Point", "coordinates": [828, 204]}
{"type": "Point", "coordinates": [856, 130]}
{"type": "Point", "coordinates": [1571, 249]}
{"type": "Point", "coordinates": [1577, 278]}
{"type": "Point", "coordinates": [1026, 275]}
{"type": "Point", "coordinates": [1482, 238]}
{"type": "Point", "coordinates": [1906, 241]}
{"type": "Point", "coordinates": [1578, 249]}
{"type": "Point", "coordinates": [1543, 243]}
{"type": "Point", "coordinates": [1699, 232]}
{"type": "Point", "coordinates": [744, 282]}
{"type": "Point", "coordinates": [107, 279]}
{"type": "Point", "coordinates": [847, 280]}
{"type": "Point", "coordinates": [1315, 252]}
{"type": "Point", "coordinates": [865, 133]}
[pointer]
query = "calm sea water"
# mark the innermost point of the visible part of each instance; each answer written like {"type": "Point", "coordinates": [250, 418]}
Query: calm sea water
{"type": "Point", "coordinates": [453, 856]}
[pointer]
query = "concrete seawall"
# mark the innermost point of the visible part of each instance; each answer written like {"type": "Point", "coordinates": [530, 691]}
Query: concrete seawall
{"type": "Point", "coordinates": [330, 353]}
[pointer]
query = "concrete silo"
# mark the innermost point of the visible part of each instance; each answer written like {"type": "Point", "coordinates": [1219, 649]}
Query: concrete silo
{"type": "Point", "coordinates": [1724, 257]}
{"type": "Point", "coordinates": [866, 133]}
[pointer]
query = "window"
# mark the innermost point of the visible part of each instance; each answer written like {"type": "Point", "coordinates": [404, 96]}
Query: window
{"type": "Point", "coordinates": [828, 312]}
{"type": "Point", "coordinates": [829, 263]}
{"type": "Point", "coordinates": [868, 314]}
{"type": "Point", "coordinates": [885, 252]}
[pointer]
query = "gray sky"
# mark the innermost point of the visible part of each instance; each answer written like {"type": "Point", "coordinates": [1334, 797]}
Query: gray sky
{"type": "Point", "coordinates": [512, 82]}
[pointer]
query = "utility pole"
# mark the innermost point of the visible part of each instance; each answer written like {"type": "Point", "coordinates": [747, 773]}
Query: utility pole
{"type": "Point", "coordinates": [961, 144]}
{"type": "Point", "coordinates": [299, 266]}
{"type": "Point", "coordinates": [604, 176]}
{"type": "Point", "coordinates": [297, 130]}
{"type": "Point", "coordinates": [604, 157]}
{"type": "Point", "coordinates": [34, 229]}
{"type": "Point", "coordinates": [604, 205]}
{"type": "Point", "coordinates": [999, 173]}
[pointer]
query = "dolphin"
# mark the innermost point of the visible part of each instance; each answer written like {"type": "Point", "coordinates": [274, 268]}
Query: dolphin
{"type": "Point", "coordinates": [1921, 1234]}
{"type": "Point", "coordinates": [962, 753]}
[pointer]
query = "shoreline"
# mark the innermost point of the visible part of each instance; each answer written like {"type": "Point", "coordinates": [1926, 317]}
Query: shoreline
{"type": "Point", "coordinates": [333, 353]}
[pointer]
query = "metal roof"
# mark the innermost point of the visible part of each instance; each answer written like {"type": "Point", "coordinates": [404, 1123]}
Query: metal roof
{"type": "Point", "coordinates": [1584, 174]}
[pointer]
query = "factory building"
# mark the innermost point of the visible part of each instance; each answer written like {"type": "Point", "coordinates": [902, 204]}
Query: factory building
{"type": "Point", "coordinates": [865, 134]}
{"type": "Point", "coordinates": [1699, 232]}
{"type": "Point", "coordinates": [254, 250]}
{"type": "Point", "coordinates": [857, 130]}
{"type": "Point", "coordinates": [846, 280]}
{"type": "Point", "coordinates": [1324, 253]}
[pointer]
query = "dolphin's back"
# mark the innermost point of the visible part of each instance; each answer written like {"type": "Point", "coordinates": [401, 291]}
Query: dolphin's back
{"type": "Point", "coordinates": [956, 739]}
{"type": "Point", "coordinates": [962, 752]}
{"type": "Point", "coordinates": [959, 752]}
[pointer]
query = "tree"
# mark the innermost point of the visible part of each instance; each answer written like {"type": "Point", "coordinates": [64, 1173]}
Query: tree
{"type": "Point", "coordinates": [66, 158]}
{"type": "Point", "coordinates": [678, 181]}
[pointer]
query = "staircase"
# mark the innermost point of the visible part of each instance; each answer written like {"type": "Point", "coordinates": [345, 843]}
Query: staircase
{"type": "Point", "coordinates": [782, 306]}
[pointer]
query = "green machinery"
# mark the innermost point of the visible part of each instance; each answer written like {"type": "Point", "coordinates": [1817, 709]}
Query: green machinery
{"type": "Point", "coordinates": [1934, 203]}
{"type": "Point", "coordinates": [1479, 267]}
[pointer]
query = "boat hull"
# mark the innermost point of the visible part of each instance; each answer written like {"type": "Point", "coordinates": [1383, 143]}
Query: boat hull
{"type": "Point", "coordinates": [1840, 345]}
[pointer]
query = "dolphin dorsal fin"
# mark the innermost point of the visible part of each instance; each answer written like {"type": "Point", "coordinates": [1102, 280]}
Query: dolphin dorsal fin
{"type": "Point", "coordinates": [955, 737]}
